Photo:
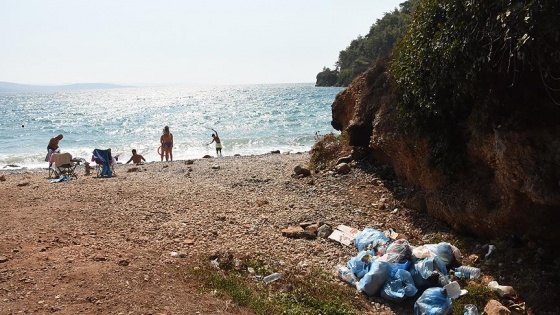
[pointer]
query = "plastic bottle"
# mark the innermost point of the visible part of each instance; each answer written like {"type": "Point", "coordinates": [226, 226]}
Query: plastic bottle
{"type": "Point", "coordinates": [467, 272]}
{"type": "Point", "coordinates": [272, 277]}
{"type": "Point", "coordinates": [346, 274]}
{"type": "Point", "coordinates": [470, 309]}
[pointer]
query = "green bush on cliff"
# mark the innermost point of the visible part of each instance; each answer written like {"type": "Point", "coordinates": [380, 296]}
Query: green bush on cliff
{"type": "Point", "coordinates": [364, 50]}
{"type": "Point", "coordinates": [461, 54]}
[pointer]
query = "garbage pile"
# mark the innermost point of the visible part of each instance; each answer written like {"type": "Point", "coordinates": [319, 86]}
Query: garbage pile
{"type": "Point", "coordinates": [395, 270]}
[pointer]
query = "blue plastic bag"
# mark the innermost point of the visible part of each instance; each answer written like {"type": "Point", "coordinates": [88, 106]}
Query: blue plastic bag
{"type": "Point", "coordinates": [370, 236]}
{"type": "Point", "coordinates": [434, 301]}
{"type": "Point", "coordinates": [399, 286]}
{"type": "Point", "coordinates": [361, 263]}
{"type": "Point", "coordinates": [443, 250]}
{"type": "Point", "coordinates": [372, 281]}
{"type": "Point", "coordinates": [425, 268]}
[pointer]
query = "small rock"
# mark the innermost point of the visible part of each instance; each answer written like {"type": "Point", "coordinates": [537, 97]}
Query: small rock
{"type": "Point", "coordinates": [3, 259]}
{"type": "Point", "coordinates": [132, 169]}
{"type": "Point", "coordinates": [275, 151]}
{"type": "Point", "coordinates": [343, 168]}
{"type": "Point", "coordinates": [346, 159]}
{"type": "Point", "coordinates": [123, 262]}
{"type": "Point", "coordinates": [22, 184]}
{"type": "Point", "coordinates": [188, 162]}
{"type": "Point", "coordinates": [494, 307]}
{"type": "Point", "coordinates": [2, 178]}
{"type": "Point", "coordinates": [300, 170]}
{"type": "Point", "coordinates": [324, 231]}
{"type": "Point", "coordinates": [207, 156]}
{"type": "Point", "coordinates": [293, 231]}
{"type": "Point", "coordinates": [189, 242]}
{"type": "Point", "coordinates": [215, 167]}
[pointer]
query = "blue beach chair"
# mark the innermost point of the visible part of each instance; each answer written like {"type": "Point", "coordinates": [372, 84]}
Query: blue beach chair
{"type": "Point", "coordinates": [104, 162]}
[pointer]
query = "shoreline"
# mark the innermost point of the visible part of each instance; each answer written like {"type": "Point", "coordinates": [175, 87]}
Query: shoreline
{"type": "Point", "coordinates": [11, 168]}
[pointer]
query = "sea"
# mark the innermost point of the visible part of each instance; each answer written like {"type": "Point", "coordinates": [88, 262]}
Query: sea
{"type": "Point", "coordinates": [249, 119]}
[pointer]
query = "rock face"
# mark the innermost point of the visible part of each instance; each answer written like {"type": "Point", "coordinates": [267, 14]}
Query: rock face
{"type": "Point", "coordinates": [511, 185]}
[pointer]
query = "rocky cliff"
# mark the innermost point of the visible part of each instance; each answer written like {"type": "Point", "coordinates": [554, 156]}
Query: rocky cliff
{"type": "Point", "coordinates": [511, 183]}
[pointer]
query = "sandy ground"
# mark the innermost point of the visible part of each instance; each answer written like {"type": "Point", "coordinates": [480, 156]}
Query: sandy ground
{"type": "Point", "coordinates": [111, 245]}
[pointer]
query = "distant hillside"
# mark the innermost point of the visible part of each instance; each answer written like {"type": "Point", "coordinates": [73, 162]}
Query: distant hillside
{"type": "Point", "coordinates": [15, 87]}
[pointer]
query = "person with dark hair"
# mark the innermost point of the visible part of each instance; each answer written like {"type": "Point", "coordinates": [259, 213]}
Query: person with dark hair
{"type": "Point", "coordinates": [52, 147]}
{"type": "Point", "coordinates": [166, 141]}
{"type": "Point", "coordinates": [53, 143]}
{"type": "Point", "coordinates": [216, 139]}
{"type": "Point", "coordinates": [136, 158]}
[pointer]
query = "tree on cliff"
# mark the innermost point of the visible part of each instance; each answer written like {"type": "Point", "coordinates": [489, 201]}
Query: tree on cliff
{"type": "Point", "coordinates": [363, 51]}
{"type": "Point", "coordinates": [501, 56]}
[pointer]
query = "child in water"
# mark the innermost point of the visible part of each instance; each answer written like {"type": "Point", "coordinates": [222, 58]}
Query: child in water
{"type": "Point", "coordinates": [216, 139]}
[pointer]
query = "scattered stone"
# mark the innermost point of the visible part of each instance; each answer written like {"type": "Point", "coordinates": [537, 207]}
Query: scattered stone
{"type": "Point", "coordinates": [275, 151]}
{"type": "Point", "coordinates": [99, 258]}
{"type": "Point", "coordinates": [299, 170]}
{"type": "Point", "coordinates": [346, 159]}
{"type": "Point", "coordinates": [2, 178]}
{"type": "Point", "coordinates": [237, 154]}
{"type": "Point", "coordinates": [293, 232]}
{"type": "Point", "coordinates": [261, 203]}
{"type": "Point", "coordinates": [312, 229]}
{"type": "Point", "coordinates": [3, 259]}
{"type": "Point", "coordinates": [324, 231]}
{"type": "Point", "coordinates": [189, 241]}
{"type": "Point", "coordinates": [215, 167]}
{"type": "Point", "coordinates": [207, 156]}
{"type": "Point", "coordinates": [123, 262]}
{"type": "Point", "coordinates": [22, 184]}
{"type": "Point", "coordinates": [133, 169]}
{"type": "Point", "coordinates": [494, 307]}
{"type": "Point", "coordinates": [343, 168]}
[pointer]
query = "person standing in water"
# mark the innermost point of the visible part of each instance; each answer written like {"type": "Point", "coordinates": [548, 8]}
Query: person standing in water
{"type": "Point", "coordinates": [166, 141]}
{"type": "Point", "coordinates": [216, 139]}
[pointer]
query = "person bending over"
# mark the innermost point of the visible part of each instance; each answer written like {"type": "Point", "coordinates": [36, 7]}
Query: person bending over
{"type": "Point", "coordinates": [136, 158]}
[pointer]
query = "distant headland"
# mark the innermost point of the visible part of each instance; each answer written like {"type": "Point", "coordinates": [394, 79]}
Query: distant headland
{"type": "Point", "coordinates": [16, 87]}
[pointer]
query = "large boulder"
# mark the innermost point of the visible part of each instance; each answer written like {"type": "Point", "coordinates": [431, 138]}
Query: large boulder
{"type": "Point", "coordinates": [510, 185]}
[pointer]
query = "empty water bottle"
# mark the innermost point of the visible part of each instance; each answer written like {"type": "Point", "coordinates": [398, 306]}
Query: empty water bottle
{"type": "Point", "coordinates": [467, 272]}
{"type": "Point", "coordinates": [272, 277]}
{"type": "Point", "coordinates": [470, 309]}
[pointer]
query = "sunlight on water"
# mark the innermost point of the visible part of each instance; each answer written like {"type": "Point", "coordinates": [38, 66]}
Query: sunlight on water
{"type": "Point", "coordinates": [250, 119]}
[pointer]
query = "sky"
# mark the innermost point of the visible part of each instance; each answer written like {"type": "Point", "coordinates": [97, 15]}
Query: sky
{"type": "Point", "coordinates": [178, 42]}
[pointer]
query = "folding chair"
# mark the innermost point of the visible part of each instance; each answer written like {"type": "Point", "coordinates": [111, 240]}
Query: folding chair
{"type": "Point", "coordinates": [63, 165]}
{"type": "Point", "coordinates": [104, 163]}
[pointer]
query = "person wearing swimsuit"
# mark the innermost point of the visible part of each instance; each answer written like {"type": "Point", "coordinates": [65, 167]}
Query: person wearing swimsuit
{"type": "Point", "coordinates": [216, 139]}
{"type": "Point", "coordinates": [52, 147]}
{"type": "Point", "coordinates": [166, 141]}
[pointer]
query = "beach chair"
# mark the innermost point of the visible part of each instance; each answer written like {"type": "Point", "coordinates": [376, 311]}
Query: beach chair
{"type": "Point", "coordinates": [104, 163]}
{"type": "Point", "coordinates": [63, 165]}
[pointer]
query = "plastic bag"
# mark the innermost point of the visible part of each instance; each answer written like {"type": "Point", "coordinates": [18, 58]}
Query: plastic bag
{"type": "Point", "coordinates": [361, 263]}
{"type": "Point", "coordinates": [443, 250]}
{"type": "Point", "coordinates": [370, 236]}
{"type": "Point", "coordinates": [433, 301]}
{"type": "Point", "coordinates": [399, 286]}
{"type": "Point", "coordinates": [372, 281]}
{"type": "Point", "coordinates": [426, 268]}
{"type": "Point", "coordinates": [398, 250]}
